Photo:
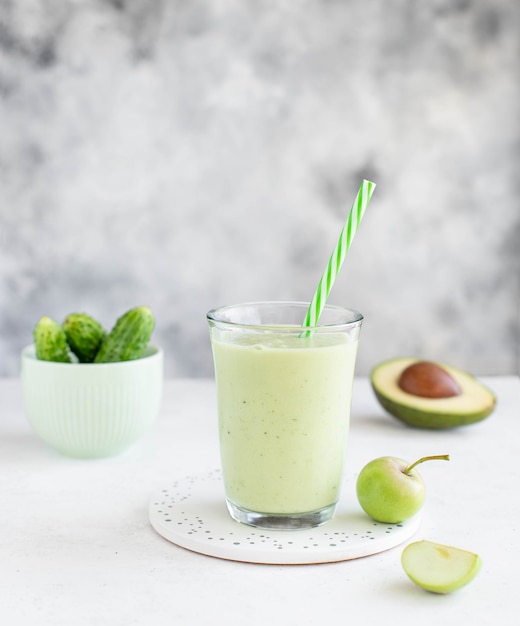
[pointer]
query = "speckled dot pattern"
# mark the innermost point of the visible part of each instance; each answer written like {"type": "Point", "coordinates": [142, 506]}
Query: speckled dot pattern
{"type": "Point", "coordinates": [192, 514]}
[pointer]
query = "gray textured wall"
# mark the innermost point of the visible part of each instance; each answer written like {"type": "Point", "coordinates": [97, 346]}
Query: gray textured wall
{"type": "Point", "coordinates": [189, 154]}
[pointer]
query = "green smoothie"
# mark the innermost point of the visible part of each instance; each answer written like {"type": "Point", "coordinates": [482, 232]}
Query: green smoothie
{"type": "Point", "coordinates": [284, 408]}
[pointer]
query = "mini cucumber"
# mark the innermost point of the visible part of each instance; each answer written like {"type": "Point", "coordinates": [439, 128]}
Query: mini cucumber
{"type": "Point", "coordinates": [50, 341]}
{"type": "Point", "coordinates": [128, 338]}
{"type": "Point", "coordinates": [84, 335]}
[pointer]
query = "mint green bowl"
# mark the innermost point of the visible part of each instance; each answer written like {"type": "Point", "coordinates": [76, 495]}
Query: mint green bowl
{"type": "Point", "coordinates": [91, 410]}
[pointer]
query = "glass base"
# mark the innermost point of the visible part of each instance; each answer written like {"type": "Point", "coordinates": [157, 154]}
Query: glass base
{"type": "Point", "coordinates": [281, 521]}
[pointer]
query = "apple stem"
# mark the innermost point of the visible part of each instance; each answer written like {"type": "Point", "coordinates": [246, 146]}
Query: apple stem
{"type": "Point", "coordinates": [438, 457]}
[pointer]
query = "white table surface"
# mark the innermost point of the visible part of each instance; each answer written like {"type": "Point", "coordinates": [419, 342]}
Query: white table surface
{"type": "Point", "coordinates": [76, 545]}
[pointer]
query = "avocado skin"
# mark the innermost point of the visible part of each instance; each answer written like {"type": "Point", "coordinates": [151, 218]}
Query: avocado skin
{"type": "Point", "coordinates": [433, 421]}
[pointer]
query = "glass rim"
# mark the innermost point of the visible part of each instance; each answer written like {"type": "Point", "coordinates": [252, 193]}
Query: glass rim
{"type": "Point", "coordinates": [214, 316]}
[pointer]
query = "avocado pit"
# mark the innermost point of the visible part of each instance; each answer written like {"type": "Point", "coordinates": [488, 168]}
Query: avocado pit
{"type": "Point", "coordinates": [428, 380]}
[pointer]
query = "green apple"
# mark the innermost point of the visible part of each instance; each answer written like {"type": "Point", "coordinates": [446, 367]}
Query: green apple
{"type": "Point", "coordinates": [439, 568]}
{"type": "Point", "coordinates": [391, 490]}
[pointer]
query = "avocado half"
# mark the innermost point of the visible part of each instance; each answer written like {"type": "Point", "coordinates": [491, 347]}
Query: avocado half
{"type": "Point", "coordinates": [474, 403]}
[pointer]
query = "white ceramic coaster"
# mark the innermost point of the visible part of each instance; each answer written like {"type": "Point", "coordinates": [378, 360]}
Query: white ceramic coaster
{"type": "Point", "coordinates": [192, 514]}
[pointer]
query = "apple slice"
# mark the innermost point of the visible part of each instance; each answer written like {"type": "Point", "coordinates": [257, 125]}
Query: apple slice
{"type": "Point", "coordinates": [439, 568]}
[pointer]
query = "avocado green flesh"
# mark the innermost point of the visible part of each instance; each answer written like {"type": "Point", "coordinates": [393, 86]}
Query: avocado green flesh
{"type": "Point", "coordinates": [473, 404]}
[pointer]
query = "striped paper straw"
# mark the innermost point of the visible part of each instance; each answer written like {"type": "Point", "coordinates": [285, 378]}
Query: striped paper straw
{"type": "Point", "coordinates": [338, 255]}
